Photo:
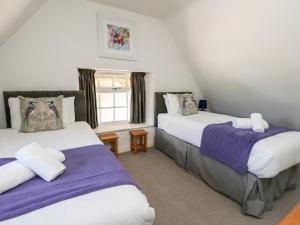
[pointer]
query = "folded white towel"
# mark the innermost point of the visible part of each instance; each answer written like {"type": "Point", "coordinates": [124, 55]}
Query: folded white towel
{"type": "Point", "coordinates": [13, 174]}
{"type": "Point", "coordinates": [42, 162]}
{"type": "Point", "coordinates": [245, 123]}
{"type": "Point", "coordinates": [257, 122]}
{"type": "Point", "coordinates": [266, 124]}
{"type": "Point", "coordinates": [35, 148]}
{"type": "Point", "coordinates": [30, 149]}
{"type": "Point", "coordinates": [56, 154]}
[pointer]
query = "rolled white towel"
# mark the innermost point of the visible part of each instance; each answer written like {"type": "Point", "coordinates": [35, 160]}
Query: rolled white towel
{"type": "Point", "coordinates": [13, 174]}
{"type": "Point", "coordinates": [43, 163]}
{"type": "Point", "coordinates": [257, 122]}
{"type": "Point", "coordinates": [245, 123]}
{"type": "Point", "coordinates": [242, 123]}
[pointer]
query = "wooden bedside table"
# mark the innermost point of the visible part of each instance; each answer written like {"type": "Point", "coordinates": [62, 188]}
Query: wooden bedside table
{"type": "Point", "coordinates": [138, 140]}
{"type": "Point", "coordinates": [110, 138]}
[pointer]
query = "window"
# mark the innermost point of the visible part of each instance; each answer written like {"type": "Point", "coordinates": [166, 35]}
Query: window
{"type": "Point", "coordinates": [113, 96]}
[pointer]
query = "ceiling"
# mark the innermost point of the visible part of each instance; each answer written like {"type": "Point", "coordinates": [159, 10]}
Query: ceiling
{"type": "Point", "coordinates": [155, 8]}
{"type": "Point", "coordinates": [13, 14]}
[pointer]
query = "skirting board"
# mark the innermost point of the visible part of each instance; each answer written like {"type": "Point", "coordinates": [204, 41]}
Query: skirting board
{"type": "Point", "coordinates": [123, 150]}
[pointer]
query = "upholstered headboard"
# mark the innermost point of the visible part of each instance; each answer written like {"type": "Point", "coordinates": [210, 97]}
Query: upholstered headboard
{"type": "Point", "coordinates": [160, 106]}
{"type": "Point", "coordinates": [80, 106]}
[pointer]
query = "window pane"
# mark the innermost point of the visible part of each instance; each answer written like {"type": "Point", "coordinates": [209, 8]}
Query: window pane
{"type": "Point", "coordinates": [120, 82]}
{"type": "Point", "coordinates": [120, 114]}
{"type": "Point", "coordinates": [98, 99]}
{"type": "Point", "coordinates": [120, 99]}
{"type": "Point", "coordinates": [106, 82]}
{"type": "Point", "coordinates": [106, 100]}
{"type": "Point", "coordinates": [99, 114]}
{"type": "Point", "coordinates": [107, 115]}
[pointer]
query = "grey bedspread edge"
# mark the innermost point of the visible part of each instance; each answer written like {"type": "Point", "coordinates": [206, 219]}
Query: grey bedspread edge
{"type": "Point", "coordinates": [255, 195]}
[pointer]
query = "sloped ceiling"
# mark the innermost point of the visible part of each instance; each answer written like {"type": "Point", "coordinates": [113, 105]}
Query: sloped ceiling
{"type": "Point", "coordinates": [245, 55]}
{"type": "Point", "coordinates": [13, 14]}
{"type": "Point", "coordinates": [155, 8]}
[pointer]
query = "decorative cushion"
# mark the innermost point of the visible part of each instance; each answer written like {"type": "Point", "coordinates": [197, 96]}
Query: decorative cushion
{"type": "Point", "coordinates": [15, 114]}
{"type": "Point", "coordinates": [180, 99]}
{"type": "Point", "coordinates": [188, 104]}
{"type": "Point", "coordinates": [41, 114]}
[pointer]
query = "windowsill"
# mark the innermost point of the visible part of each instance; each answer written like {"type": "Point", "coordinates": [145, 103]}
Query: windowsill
{"type": "Point", "coordinates": [114, 127]}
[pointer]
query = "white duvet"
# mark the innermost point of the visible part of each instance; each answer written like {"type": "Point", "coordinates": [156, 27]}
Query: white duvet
{"type": "Point", "coordinates": [268, 157]}
{"type": "Point", "coordinates": [121, 205]}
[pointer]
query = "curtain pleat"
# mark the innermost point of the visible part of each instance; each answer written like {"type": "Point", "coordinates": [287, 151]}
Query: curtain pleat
{"type": "Point", "coordinates": [87, 84]}
{"type": "Point", "coordinates": [138, 98]}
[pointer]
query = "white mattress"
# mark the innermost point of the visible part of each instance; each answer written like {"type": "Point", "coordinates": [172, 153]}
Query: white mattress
{"type": "Point", "coordinates": [268, 157]}
{"type": "Point", "coordinates": [124, 204]}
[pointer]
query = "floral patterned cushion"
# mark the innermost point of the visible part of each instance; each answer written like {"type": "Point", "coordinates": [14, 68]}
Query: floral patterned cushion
{"type": "Point", "coordinates": [188, 104]}
{"type": "Point", "coordinates": [41, 114]}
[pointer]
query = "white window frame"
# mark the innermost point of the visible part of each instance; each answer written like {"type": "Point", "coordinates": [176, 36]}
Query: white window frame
{"type": "Point", "coordinates": [113, 75]}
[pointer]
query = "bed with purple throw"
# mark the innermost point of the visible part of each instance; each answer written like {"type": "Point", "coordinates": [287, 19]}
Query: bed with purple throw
{"type": "Point", "coordinates": [94, 189]}
{"type": "Point", "coordinates": [89, 169]}
{"type": "Point", "coordinates": [253, 169]}
{"type": "Point", "coordinates": [231, 146]}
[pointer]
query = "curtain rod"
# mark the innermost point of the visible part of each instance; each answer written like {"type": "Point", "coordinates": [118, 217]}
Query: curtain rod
{"type": "Point", "coordinates": [122, 71]}
{"type": "Point", "coordinates": [116, 71]}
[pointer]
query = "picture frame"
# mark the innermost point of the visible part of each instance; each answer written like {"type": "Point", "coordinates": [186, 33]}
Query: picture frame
{"type": "Point", "coordinates": [117, 38]}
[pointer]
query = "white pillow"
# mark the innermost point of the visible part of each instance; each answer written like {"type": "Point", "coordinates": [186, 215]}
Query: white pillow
{"type": "Point", "coordinates": [173, 104]}
{"type": "Point", "coordinates": [167, 103]}
{"type": "Point", "coordinates": [68, 111]}
{"type": "Point", "coordinates": [15, 112]}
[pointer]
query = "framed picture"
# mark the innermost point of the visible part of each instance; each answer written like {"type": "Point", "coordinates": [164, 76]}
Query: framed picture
{"type": "Point", "coordinates": [117, 38]}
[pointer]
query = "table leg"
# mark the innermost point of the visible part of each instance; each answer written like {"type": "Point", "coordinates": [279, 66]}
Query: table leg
{"type": "Point", "coordinates": [116, 148]}
{"type": "Point", "coordinates": [134, 144]}
{"type": "Point", "coordinates": [145, 142]}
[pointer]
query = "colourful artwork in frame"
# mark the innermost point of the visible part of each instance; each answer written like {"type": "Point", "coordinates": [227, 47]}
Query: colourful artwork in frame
{"type": "Point", "coordinates": [117, 38]}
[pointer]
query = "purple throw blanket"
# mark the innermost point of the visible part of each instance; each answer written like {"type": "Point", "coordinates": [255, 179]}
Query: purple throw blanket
{"type": "Point", "coordinates": [232, 146]}
{"type": "Point", "coordinates": [88, 169]}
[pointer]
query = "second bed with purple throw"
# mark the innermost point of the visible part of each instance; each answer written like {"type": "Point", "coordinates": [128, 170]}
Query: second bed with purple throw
{"type": "Point", "coordinates": [88, 169]}
{"type": "Point", "coordinates": [232, 146]}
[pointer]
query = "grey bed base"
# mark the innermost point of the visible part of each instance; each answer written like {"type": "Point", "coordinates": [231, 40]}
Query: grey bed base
{"type": "Point", "coordinates": [255, 195]}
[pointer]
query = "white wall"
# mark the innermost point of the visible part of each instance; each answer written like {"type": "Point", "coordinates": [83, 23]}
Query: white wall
{"type": "Point", "coordinates": [245, 55]}
{"type": "Point", "coordinates": [124, 139]}
{"type": "Point", "coordinates": [62, 36]}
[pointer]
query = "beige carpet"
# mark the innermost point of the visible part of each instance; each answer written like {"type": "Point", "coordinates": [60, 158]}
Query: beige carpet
{"type": "Point", "coordinates": [181, 199]}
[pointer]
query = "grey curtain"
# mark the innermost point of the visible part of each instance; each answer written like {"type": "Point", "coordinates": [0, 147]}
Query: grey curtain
{"type": "Point", "coordinates": [138, 98]}
{"type": "Point", "coordinates": [87, 84]}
